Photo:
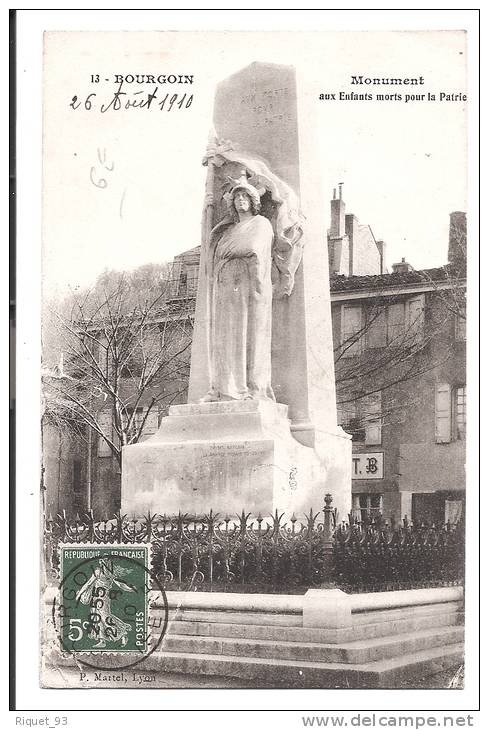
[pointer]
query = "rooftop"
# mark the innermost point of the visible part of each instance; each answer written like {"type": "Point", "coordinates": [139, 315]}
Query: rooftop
{"type": "Point", "coordinates": [340, 282]}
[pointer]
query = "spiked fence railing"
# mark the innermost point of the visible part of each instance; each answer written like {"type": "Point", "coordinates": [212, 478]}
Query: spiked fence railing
{"type": "Point", "coordinates": [260, 554]}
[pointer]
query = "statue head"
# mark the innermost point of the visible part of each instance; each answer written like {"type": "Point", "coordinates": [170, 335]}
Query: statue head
{"type": "Point", "coordinates": [243, 202]}
{"type": "Point", "coordinates": [242, 190]}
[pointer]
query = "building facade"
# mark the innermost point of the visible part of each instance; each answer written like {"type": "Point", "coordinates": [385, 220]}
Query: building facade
{"type": "Point", "coordinates": [401, 392]}
{"type": "Point", "coordinates": [399, 342]}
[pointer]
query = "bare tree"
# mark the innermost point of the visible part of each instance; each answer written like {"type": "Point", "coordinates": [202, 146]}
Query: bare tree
{"type": "Point", "coordinates": [126, 357]}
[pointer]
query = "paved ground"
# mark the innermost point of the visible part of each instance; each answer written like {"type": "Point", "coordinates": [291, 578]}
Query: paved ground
{"type": "Point", "coordinates": [69, 677]}
{"type": "Point", "coordinates": [442, 680]}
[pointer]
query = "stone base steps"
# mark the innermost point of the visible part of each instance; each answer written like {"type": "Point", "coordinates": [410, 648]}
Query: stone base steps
{"type": "Point", "coordinates": [355, 652]}
{"type": "Point", "coordinates": [280, 673]}
{"type": "Point", "coordinates": [256, 641]}
{"type": "Point", "coordinates": [382, 648]}
{"type": "Point", "coordinates": [289, 627]}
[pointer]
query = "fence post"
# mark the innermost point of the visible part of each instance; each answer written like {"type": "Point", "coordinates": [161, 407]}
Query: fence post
{"type": "Point", "coordinates": [328, 560]}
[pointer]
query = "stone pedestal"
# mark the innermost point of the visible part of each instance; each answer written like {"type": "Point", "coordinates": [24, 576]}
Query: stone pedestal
{"type": "Point", "coordinates": [233, 455]}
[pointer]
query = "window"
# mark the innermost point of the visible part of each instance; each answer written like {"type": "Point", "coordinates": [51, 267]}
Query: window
{"type": "Point", "coordinates": [399, 323]}
{"type": "Point", "coordinates": [193, 279]}
{"type": "Point", "coordinates": [104, 356]}
{"type": "Point", "coordinates": [105, 425]}
{"type": "Point", "coordinates": [362, 419]}
{"type": "Point", "coordinates": [460, 403]}
{"type": "Point", "coordinates": [182, 283]}
{"type": "Point", "coordinates": [371, 406]}
{"type": "Point", "coordinates": [350, 421]}
{"type": "Point", "coordinates": [351, 327]}
{"type": "Point", "coordinates": [366, 505]}
{"type": "Point", "coordinates": [150, 425]}
{"type": "Point", "coordinates": [460, 327]}
{"type": "Point", "coordinates": [450, 413]}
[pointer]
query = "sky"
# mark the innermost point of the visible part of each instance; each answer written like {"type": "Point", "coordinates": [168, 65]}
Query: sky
{"type": "Point", "coordinates": [124, 188]}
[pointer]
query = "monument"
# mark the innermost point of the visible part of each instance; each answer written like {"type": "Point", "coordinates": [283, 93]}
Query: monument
{"type": "Point", "coordinates": [259, 431]}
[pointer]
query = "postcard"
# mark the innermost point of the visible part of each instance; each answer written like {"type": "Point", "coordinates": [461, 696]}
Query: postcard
{"type": "Point", "coordinates": [254, 385]}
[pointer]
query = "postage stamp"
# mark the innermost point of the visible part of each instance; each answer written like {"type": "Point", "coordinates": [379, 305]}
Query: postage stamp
{"type": "Point", "coordinates": [103, 607]}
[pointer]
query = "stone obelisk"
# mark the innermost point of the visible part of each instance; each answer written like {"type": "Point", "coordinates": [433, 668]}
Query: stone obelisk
{"type": "Point", "coordinates": [257, 109]}
{"type": "Point", "coordinates": [255, 454]}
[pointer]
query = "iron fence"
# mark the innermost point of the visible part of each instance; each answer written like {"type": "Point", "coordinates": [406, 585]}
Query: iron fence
{"type": "Point", "coordinates": [380, 555]}
{"type": "Point", "coordinates": [257, 554]}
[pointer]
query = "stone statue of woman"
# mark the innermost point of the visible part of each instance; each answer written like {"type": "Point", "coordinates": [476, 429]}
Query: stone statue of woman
{"type": "Point", "coordinates": [240, 299]}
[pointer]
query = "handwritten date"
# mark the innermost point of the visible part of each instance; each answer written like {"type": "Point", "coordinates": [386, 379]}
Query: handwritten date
{"type": "Point", "coordinates": [134, 100]}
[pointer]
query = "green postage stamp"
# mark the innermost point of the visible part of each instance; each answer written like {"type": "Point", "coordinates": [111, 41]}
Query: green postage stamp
{"type": "Point", "coordinates": [104, 598]}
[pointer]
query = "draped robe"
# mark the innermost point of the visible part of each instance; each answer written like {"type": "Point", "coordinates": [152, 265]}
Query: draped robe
{"type": "Point", "coordinates": [241, 311]}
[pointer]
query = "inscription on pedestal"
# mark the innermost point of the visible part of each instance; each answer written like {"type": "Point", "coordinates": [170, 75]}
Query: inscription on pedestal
{"type": "Point", "coordinates": [270, 106]}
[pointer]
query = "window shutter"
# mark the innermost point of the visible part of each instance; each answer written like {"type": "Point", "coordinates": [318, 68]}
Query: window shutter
{"type": "Point", "coordinates": [453, 511]}
{"type": "Point", "coordinates": [443, 413]}
{"type": "Point", "coordinates": [377, 329]}
{"type": "Point", "coordinates": [396, 323]}
{"type": "Point", "coordinates": [151, 424]}
{"type": "Point", "coordinates": [372, 406]}
{"type": "Point", "coordinates": [351, 325]}
{"type": "Point", "coordinates": [415, 315]}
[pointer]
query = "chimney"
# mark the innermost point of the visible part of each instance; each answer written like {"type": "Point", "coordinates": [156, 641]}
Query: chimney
{"type": "Point", "coordinates": [337, 229]}
{"type": "Point", "coordinates": [402, 268]}
{"type": "Point", "coordinates": [382, 246]}
{"type": "Point", "coordinates": [457, 239]}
